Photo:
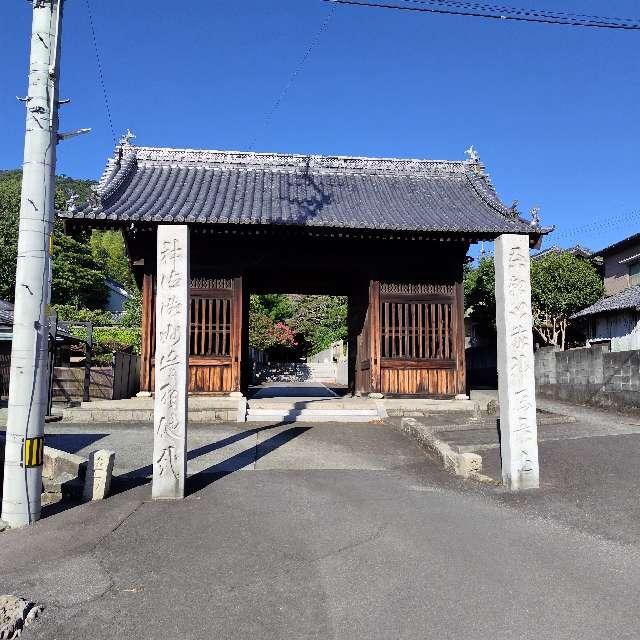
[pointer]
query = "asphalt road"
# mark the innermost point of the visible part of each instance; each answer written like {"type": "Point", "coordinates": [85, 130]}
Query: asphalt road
{"type": "Point", "coordinates": [336, 531]}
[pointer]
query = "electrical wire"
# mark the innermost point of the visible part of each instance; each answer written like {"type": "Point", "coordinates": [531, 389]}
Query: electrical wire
{"type": "Point", "coordinates": [105, 95]}
{"type": "Point", "coordinates": [493, 12]}
{"type": "Point", "coordinates": [292, 78]}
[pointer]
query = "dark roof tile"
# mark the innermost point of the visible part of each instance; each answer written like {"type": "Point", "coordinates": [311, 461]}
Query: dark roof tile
{"type": "Point", "coordinates": [220, 187]}
{"type": "Point", "coordinates": [627, 299]}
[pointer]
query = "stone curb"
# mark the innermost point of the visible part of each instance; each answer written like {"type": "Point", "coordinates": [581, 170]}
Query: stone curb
{"type": "Point", "coordinates": [465, 465]}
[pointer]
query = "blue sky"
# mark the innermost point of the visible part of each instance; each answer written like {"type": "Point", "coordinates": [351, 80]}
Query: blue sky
{"type": "Point", "coordinates": [552, 110]}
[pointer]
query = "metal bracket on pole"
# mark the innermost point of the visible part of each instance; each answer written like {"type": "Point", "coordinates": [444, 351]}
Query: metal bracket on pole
{"type": "Point", "coordinates": [73, 134]}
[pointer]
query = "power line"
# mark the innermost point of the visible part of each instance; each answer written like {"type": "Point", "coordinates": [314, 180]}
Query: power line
{"type": "Point", "coordinates": [479, 10]}
{"type": "Point", "coordinates": [616, 222]}
{"type": "Point", "coordinates": [105, 95]}
{"type": "Point", "coordinates": [296, 72]}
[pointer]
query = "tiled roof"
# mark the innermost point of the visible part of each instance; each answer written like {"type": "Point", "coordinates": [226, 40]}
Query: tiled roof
{"type": "Point", "coordinates": [627, 299]}
{"type": "Point", "coordinates": [6, 322]}
{"type": "Point", "coordinates": [6, 313]}
{"type": "Point", "coordinates": [621, 244]}
{"type": "Point", "coordinates": [578, 250]}
{"type": "Point", "coordinates": [224, 187]}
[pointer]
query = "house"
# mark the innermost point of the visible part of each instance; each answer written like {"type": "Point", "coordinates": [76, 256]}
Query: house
{"type": "Point", "coordinates": [578, 250]}
{"type": "Point", "coordinates": [117, 296]}
{"type": "Point", "coordinates": [63, 338]}
{"type": "Point", "coordinates": [614, 321]}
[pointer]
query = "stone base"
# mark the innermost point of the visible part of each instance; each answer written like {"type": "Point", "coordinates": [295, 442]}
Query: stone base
{"type": "Point", "coordinates": [464, 465]}
{"type": "Point", "coordinates": [202, 409]}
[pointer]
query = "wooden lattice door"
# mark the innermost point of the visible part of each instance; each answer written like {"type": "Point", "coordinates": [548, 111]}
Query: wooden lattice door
{"type": "Point", "coordinates": [215, 326]}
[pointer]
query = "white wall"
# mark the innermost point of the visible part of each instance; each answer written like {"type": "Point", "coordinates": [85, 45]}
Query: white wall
{"type": "Point", "coordinates": [623, 329]}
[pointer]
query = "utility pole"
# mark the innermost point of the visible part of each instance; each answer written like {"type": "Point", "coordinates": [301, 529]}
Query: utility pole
{"type": "Point", "coordinates": [28, 387]}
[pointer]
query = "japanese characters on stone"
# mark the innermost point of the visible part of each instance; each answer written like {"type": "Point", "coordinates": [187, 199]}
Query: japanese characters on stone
{"type": "Point", "coordinates": [171, 362]}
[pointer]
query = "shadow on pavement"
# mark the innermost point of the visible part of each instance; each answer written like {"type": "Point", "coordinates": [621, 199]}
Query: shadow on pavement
{"type": "Point", "coordinates": [199, 480]}
{"type": "Point", "coordinates": [72, 442]}
{"type": "Point", "coordinates": [205, 477]}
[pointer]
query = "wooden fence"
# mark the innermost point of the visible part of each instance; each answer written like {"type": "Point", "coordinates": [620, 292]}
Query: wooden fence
{"type": "Point", "coordinates": [121, 380]}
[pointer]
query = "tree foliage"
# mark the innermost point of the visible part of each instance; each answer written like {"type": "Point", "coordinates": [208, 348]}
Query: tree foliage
{"type": "Point", "coordinates": [108, 250]}
{"type": "Point", "coordinates": [479, 294]}
{"type": "Point", "coordinates": [293, 326]}
{"type": "Point", "coordinates": [561, 285]}
{"type": "Point", "coordinates": [320, 320]}
{"type": "Point", "coordinates": [77, 278]}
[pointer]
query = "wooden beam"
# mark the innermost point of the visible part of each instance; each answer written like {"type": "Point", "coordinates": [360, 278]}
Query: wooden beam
{"type": "Point", "coordinates": [236, 334]}
{"type": "Point", "coordinates": [458, 341]}
{"type": "Point", "coordinates": [406, 363]}
{"type": "Point", "coordinates": [147, 332]}
{"type": "Point", "coordinates": [375, 336]}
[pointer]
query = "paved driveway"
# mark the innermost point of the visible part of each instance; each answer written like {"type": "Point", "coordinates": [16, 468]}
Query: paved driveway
{"type": "Point", "coordinates": [337, 531]}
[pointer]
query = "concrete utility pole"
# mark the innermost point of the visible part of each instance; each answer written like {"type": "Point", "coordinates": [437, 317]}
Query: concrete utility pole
{"type": "Point", "coordinates": [29, 380]}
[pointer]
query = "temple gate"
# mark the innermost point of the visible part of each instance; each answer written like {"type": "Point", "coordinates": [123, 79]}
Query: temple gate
{"type": "Point", "coordinates": [390, 234]}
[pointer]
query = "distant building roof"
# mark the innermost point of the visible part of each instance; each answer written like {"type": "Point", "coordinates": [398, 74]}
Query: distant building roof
{"type": "Point", "coordinates": [6, 313]}
{"type": "Point", "coordinates": [230, 187]}
{"type": "Point", "coordinates": [116, 287]}
{"type": "Point", "coordinates": [627, 299]}
{"type": "Point", "coordinates": [620, 245]}
{"type": "Point", "coordinates": [6, 324]}
{"type": "Point", "coordinates": [578, 250]}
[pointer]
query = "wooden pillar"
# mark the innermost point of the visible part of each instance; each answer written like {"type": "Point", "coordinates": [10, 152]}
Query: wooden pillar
{"type": "Point", "coordinates": [516, 383]}
{"type": "Point", "coordinates": [171, 363]}
{"type": "Point", "coordinates": [374, 315]}
{"type": "Point", "coordinates": [236, 335]}
{"type": "Point", "coordinates": [147, 333]}
{"type": "Point", "coordinates": [461, 367]}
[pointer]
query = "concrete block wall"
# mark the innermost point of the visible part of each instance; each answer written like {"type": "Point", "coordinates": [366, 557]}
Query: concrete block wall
{"type": "Point", "coordinates": [589, 376]}
{"type": "Point", "coordinates": [545, 365]}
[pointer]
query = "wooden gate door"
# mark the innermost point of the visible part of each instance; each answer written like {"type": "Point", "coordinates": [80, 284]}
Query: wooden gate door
{"type": "Point", "coordinates": [367, 364]}
{"type": "Point", "coordinates": [214, 336]}
{"type": "Point", "coordinates": [422, 339]}
{"type": "Point", "coordinates": [215, 330]}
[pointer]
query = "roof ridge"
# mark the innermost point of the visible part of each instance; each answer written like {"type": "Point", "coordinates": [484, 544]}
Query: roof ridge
{"type": "Point", "coordinates": [296, 156]}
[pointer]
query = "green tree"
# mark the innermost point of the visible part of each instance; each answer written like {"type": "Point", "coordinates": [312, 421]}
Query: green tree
{"type": "Point", "coordinates": [77, 277]}
{"type": "Point", "coordinates": [108, 249]}
{"type": "Point", "coordinates": [320, 320]}
{"type": "Point", "coordinates": [267, 330]}
{"type": "Point", "coordinates": [10, 184]}
{"type": "Point", "coordinates": [479, 294]}
{"type": "Point", "coordinates": [561, 284]}
{"type": "Point", "coordinates": [132, 313]}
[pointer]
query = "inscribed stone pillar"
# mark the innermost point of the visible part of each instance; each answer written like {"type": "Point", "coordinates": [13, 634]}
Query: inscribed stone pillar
{"type": "Point", "coordinates": [516, 381]}
{"type": "Point", "coordinates": [171, 362]}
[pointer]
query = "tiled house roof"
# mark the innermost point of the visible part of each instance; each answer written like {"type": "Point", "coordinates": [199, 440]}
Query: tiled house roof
{"type": "Point", "coordinates": [225, 187]}
{"type": "Point", "coordinates": [627, 299]}
{"type": "Point", "coordinates": [578, 251]}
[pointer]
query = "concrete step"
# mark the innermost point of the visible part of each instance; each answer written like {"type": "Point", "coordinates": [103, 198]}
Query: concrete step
{"type": "Point", "coordinates": [201, 410]}
{"type": "Point", "coordinates": [313, 415]}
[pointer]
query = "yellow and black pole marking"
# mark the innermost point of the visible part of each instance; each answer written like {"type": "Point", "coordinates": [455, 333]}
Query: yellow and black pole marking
{"type": "Point", "coordinates": [33, 452]}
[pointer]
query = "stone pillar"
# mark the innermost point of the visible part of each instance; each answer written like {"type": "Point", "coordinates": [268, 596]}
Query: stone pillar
{"type": "Point", "coordinates": [171, 362]}
{"type": "Point", "coordinates": [97, 482]}
{"type": "Point", "coordinates": [516, 381]}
